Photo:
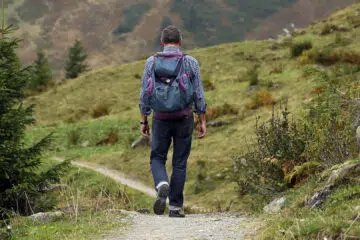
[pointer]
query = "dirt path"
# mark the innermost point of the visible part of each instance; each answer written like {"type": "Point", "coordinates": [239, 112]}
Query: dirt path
{"type": "Point", "coordinates": [193, 227]}
{"type": "Point", "coordinates": [116, 175]}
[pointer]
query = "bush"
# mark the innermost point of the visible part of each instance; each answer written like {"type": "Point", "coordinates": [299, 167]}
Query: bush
{"type": "Point", "coordinates": [297, 49]}
{"type": "Point", "coordinates": [100, 110]}
{"type": "Point", "coordinates": [328, 57]}
{"type": "Point", "coordinates": [220, 110]}
{"type": "Point", "coordinates": [252, 76]}
{"type": "Point", "coordinates": [276, 68]}
{"type": "Point", "coordinates": [208, 85]}
{"type": "Point", "coordinates": [327, 29]}
{"type": "Point", "coordinates": [330, 28]}
{"type": "Point", "coordinates": [137, 76]}
{"type": "Point", "coordinates": [74, 137]}
{"type": "Point", "coordinates": [288, 152]}
{"type": "Point", "coordinates": [260, 98]}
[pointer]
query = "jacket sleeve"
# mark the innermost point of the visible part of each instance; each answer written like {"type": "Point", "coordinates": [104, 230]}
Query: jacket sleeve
{"type": "Point", "coordinates": [144, 105]}
{"type": "Point", "coordinates": [200, 103]}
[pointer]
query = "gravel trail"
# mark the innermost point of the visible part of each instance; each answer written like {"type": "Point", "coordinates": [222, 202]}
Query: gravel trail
{"type": "Point", "coordinates": [215, 226]}
{"type": "Point", "coordinates": [116, 175]}
{"type": "Point", "coordinates": [193, 227]}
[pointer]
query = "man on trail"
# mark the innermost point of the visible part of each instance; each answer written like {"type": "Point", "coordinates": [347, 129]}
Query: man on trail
{"type": "Point", "coordinates": [171, 86]}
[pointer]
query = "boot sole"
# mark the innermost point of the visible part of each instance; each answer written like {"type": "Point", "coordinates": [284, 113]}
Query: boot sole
{"type": "Point", "coordinates": [160, 203]}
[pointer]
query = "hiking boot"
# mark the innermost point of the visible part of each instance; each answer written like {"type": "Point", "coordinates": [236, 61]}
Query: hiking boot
{"type": "Point", "coordinates": [176, 214]}
{"type": "Point", "coordinates": [160, 203]}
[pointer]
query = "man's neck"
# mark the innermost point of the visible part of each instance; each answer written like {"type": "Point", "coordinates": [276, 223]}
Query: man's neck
{"type": "Point", "coordinates": [172, 45]}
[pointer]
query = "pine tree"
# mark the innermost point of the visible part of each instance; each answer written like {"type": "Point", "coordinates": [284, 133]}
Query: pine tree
{"type": "Point", "coordinates": [75, 62]}
{"type": "Point", "coordinates": [42, 71]}
{"type": "Point", "coordinates": [21, 181]}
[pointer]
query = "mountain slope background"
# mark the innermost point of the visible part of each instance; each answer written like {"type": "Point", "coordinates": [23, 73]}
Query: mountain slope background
{"type": "Point", "coordinates": [120, 31]}
{"type": "Point", "coordinates": [69, 108]}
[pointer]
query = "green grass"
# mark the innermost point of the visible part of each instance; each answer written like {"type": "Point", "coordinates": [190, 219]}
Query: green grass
{"type": "Point", "coordinates": [68, 228]}
{"type": "Point", "coordinates": [118, 87]}
{"type": "Point", "coordinates": [90, 199]}
{"type": "Point", "coordinates": [338, 217]}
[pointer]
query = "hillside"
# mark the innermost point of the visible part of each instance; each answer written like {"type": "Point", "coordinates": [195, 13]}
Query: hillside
{"type": "Point", "coordinates": [122, 31]}
{"type": "Point", "coordinates": [68, 109]}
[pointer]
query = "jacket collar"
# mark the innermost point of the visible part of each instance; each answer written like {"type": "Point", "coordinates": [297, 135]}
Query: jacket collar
{"type": "Point", "coordinates": [171, 49]}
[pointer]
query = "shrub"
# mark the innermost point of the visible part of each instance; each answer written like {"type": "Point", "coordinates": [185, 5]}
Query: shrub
{"type": "Point", "coordinates": [260, 98]}
{"type": "Point", "coordinates": [220, 110]}
{"type": "Point", "coordinates": [100, 110]}
{"type": "Point", "coordinates": [137, 76]}
{"type": "Point", "coordinates": [74, 137]}
{"type": "Point", "coordinates": [208, 85]}
{"type": "Point", "coordinates": [111, 138]}
{"type": "Point", "coordinates": [288, 152]}
{"type": "Point", "coordinates": [329, 57]}
{"type": "Point", "coordinates": [330, 28]}
{"type": "Point", "coordinates": [297, 49]}
{"type": "Point", "coordinates": [327, 29]}
{"type": "Point", "coordinates": [276, 68]}
{"type": "Point", "coordinates": [252, 76]}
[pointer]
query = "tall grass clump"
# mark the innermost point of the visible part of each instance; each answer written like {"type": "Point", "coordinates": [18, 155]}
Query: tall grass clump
{"type": "Point", "coordinates": [252, 76]}
{"type": "Point", "coordinates": [259, 99]}
{"type": "Point", "coordinates": [297, 49]}
{"type": "Point", "coordinates": [100, 110]}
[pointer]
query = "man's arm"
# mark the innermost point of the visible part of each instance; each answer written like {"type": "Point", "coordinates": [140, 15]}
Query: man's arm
{"type": "Point", "coordinates": [200, 103]}
{"type": "Point", "coordinates": [145, 109]}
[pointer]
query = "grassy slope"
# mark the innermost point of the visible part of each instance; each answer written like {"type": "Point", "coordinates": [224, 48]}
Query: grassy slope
{"type": "Point", "coordinates": [223, 65]}
{"type": "Point", "coordinates": [93, 195]}
{"type": "Point", "coordinates": [337, 218]}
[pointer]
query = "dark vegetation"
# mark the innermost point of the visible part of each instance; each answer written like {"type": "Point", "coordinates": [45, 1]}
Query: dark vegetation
{"type": "Point", "coordinates": [75, 62]}
{"type": "Point", "coordinates": [298, 48]}
{"type": "Point", "coordinates": [41, 73]}
{"type": "Point", "coordinates": [131, 17]}
{"type": "Point", "coordinates": [21, 181]}
{"type": "Point", "coordinates": [32, 10]}
{"type": "Point", "coordinates": [260, 98]}
{"type": "Point", "coordinates": [100, 110]}
{"type": "Point", "coordinates": [202, 18]}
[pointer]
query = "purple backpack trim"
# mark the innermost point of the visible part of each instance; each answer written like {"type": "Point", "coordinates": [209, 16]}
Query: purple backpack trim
{"type": "Point", "coordinates": [176, 115]}
{"type": "Point", "coordinates": [181, 82]}
{"type": "Point", "coordinates": [150, 89]}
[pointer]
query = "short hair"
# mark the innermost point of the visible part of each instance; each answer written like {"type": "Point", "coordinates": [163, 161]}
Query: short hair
{"type": "Point", "coordinates": [171, 34]}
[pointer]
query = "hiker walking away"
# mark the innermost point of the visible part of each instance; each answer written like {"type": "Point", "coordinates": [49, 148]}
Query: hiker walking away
{"type": "Point", "coordinates": [171, 87]}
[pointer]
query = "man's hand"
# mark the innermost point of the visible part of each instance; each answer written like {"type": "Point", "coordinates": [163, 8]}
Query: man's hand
{"type": "Point", "coordinates": [145, 130]}
{"type": "Point", "coordinates": [202, 125]}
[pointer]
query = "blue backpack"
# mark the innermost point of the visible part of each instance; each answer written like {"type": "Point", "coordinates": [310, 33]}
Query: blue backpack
{"type": "Point", "coordinates": [169, 89]}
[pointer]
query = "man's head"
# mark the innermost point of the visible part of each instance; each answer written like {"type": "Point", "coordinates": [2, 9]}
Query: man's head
{"type": "Point", "coordinates": [171, 35]}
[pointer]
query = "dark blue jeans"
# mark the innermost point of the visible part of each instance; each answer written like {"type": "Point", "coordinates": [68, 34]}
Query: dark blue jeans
{"type": "Point", "coordinates": [180, 131]}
